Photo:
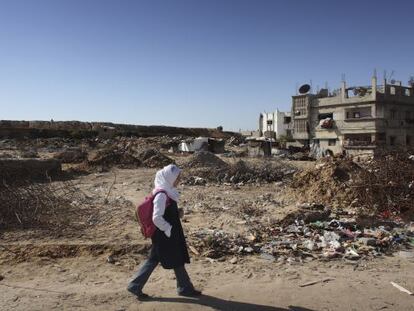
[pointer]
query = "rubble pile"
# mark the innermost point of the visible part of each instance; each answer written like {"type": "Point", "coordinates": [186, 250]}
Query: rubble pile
{"type": "Point", "coordinates": [235, 140]}
{"type": "Point", "coordinates": [205, 159]}
{"type": "Point", "coordinates": [386, 187]}
{"type": "Point", "coordinates": [383, 187]}
{"type": "Point", "coordinates": [205, 167]}
{"type": "Point", "coordinates": [327, 182]}
{"type": "Point", "coordinates": [308, 234]}
{"type": "Point", "coordinates": [153, 158]}
{"type": "Point", "coordinates": [71, 155]}
{"type": "Point", "coordinates": [106, 158]}
{"type": "Point", "coordinates": [125, 156]}
{"type": "Point", "coordinates": [243, 172]}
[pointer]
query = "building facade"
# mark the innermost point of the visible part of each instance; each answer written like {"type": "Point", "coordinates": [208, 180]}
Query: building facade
{"type": "Point", "coordinates": [356, 120]}
{"type": "Point", "coordinates": [275, 124]}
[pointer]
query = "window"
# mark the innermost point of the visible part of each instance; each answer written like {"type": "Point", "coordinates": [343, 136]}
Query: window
{"type": "Point", "coordinates": [316, 142]}
{"type": "Point", "coordinates": [363, 112]}
{"type": "Point", "coordinates": [392, 140]}
{"type": "Point", "coordinates": [393, 114]}
{"type": "Point", "coordinates": [406, 92]}
{"type": "Point", "coordinates": [408, 140]}
{"type": "Point", "coordinates": [269, 122]}
{"type": "Point", "coordinates": [301, 126]}
{"type": "Point", "coordinates": [392, 90]}
{"type": "Point", "coordinates": [332, 142]}
{"type": "Point", "coordinates": [287, 120]}
{"type": "Point", "coordinates": [408, 115]}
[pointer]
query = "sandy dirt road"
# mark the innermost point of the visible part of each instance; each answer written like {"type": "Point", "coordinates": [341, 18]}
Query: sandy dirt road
{"type": "Point", "coordinates": [72, 272]}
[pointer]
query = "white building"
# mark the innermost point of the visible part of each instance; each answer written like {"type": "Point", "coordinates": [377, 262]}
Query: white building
{"type": "Point", "coordinates": [275, 124]}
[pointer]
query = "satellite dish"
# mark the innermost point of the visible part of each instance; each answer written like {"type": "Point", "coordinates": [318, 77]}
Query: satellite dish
{"type": "Point", "coordinates": [393, 81]}
{"type": "Point", "coordinates": [304, 89]}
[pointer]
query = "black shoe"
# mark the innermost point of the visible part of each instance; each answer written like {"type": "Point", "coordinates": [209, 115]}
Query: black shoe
{"type": "Point", "coordinates": [193, 293]}
{"type": "Point", "coordinates": [140, 296]}
{"type": "Point", "coordinates": [143, 297]}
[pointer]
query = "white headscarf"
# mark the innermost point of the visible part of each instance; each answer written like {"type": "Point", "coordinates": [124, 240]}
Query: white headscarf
{"type": "Point", "coordinates": [165, 178]}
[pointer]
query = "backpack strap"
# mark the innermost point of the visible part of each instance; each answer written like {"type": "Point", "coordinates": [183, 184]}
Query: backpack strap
{"type": "Point", "coordinates": [162, 191]}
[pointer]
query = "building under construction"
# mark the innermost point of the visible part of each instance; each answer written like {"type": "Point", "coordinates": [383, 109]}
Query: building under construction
{"type": "Point", "coordinates": [355, 120]}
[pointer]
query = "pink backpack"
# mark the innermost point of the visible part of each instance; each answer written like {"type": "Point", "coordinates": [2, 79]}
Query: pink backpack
{"type": "Point", "coordinates": [144, 213]}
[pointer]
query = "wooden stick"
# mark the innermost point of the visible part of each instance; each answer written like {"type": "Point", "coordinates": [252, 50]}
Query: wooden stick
{"type": "Point", "coordinates": [316, 282]}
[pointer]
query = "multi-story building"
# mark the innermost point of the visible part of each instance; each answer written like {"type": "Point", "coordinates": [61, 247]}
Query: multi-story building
{"type": "Point", "coordinates": [357, 120]}
{"type": "Point", "coordinates": [275, 124]}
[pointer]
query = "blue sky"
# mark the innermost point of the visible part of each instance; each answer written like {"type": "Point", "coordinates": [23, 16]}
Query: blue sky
{"type": "Point", "coordinates": [190, 63]}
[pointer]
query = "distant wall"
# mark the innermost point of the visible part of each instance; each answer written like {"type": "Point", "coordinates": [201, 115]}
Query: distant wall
{"type": "Point", "coordinates": [47, 129]}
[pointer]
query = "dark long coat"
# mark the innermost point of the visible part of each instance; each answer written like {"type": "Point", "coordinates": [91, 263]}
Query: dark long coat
{"type": "Point", "coordinates": [172, 251]}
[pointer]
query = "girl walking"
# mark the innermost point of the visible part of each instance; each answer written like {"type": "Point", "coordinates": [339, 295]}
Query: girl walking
{"type": "Point", "coordinates": [168, 242]}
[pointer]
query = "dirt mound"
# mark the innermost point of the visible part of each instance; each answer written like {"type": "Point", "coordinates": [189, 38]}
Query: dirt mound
{"type": "Point", "coordinates": [327, 183]}
{"type": "Point", "coordinates": [110, 157]}
{"type": "Point", "coordinates": [205, 159]}
{"type": "Point", "coordinates": [154, 159]}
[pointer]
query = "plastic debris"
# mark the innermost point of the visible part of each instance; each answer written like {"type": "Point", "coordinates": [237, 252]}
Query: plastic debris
{"type": "Point", "coordinates": [400, 288]}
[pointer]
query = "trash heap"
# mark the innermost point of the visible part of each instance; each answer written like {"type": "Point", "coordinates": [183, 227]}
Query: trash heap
{"type": "Point", "coordinates": [215, 243]}
{"type": "Point", "coordinates": [308, 234]}
{"type": "Point", "coordinates": [210, 168]}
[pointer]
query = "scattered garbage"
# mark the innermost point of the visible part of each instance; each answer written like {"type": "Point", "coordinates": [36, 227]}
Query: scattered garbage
{"type": "Point", "coordinates": [196, 181]}
{"type": "Point", "coordinates": [295, 240]}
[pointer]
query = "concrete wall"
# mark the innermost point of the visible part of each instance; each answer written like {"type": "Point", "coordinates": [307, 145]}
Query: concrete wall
{"type": "Point", "coordinates": [34, 129]}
